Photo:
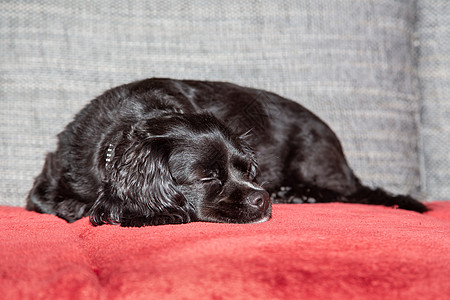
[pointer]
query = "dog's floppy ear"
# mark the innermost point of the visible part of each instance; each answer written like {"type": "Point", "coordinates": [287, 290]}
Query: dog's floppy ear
{"type": "Point", "coordinates": [138, 189]}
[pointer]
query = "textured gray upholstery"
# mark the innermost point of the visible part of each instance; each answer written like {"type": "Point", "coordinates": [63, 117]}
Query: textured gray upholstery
{"type": "Point", "coordinates": [433, 31]}
{"type": "Point", "coordinates": [356, 64]}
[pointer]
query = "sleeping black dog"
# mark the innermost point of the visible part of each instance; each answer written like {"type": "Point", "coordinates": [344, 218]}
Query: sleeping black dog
{"type": "Point", "coordinates": [163, 151]}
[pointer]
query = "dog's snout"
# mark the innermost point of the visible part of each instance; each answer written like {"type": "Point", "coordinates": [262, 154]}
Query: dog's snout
{"type": "Point", "coordinates": [259, 199]}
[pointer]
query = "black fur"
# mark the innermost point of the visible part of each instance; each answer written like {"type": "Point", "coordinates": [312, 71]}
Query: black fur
{"type": "Point", "coordinates": [164, 151]}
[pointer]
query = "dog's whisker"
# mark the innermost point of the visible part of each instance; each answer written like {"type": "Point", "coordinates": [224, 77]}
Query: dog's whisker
{"type": "Point", "coordinates": [263, 183]}
{"type": "Point", "coordinates": [246, 134]}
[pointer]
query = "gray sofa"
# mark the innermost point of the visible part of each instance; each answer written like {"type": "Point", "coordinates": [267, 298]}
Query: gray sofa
{"type": "Point", "coordinates": [377, 72]}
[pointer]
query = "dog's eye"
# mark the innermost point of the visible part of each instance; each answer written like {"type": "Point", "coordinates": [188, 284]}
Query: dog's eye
{"type": "Point", "coordinates": [210, 180]}
{"type": "Point", "coordinates": [250, 175]}
{"type": "Point", "coordinates": [210, 176]}
{"type": "Point", "coordinates": [206, 179]}
{"type": "Point", "coordinates": [251, 172]}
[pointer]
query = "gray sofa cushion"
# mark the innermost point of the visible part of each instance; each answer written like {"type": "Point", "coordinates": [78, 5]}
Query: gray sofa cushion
{"type": "Point", "coordinates": [349, 61]}
{"type": "Point", "coordinates": [433, 31]}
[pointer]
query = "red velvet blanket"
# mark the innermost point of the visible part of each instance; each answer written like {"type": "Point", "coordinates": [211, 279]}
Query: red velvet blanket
{"type": "Point", "coordinates": [311, 251]}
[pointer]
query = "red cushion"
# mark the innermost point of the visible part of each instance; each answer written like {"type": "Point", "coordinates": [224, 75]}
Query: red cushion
{"type": "Point", "coordinates": [322, 251]}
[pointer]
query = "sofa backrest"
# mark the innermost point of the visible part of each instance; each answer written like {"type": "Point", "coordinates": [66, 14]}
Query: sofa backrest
{"type": "Point", "coordinates": [433, 44]}
{"type": "Point", "coordinates": [354, 63]}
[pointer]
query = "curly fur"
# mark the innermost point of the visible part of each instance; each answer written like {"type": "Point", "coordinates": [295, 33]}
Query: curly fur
{"type": "Point", "coordinates": [162, 151]}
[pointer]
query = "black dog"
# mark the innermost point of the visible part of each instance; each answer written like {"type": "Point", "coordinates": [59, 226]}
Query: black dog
{"type": "Point", "coordinates": [164, 151]}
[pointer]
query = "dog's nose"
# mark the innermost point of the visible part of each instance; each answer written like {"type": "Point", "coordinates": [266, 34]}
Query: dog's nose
{"type": "Point", "coordinates": [259, 199]}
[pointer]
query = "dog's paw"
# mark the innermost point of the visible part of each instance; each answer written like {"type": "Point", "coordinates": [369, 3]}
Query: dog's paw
{"type": "Point", "coordinates": [287, 194]}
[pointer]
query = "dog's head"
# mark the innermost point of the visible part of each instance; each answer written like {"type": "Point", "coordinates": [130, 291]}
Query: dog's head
{"type": "Point", "coordinates": [179, 168]}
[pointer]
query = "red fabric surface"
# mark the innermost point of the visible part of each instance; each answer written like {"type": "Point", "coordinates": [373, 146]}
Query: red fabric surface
{"type": "Point", "coordinates": [313, 251]}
